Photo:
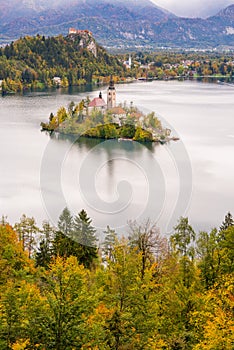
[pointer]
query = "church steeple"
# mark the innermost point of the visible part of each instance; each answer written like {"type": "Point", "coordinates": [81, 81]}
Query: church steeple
{"type": "Point", "coordinates": [111, 95]}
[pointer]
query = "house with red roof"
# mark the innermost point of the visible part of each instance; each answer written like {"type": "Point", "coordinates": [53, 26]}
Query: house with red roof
{"type": "Point", "coordinates": [98, 103]}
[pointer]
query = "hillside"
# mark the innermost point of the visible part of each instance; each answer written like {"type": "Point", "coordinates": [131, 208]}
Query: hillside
{"type": "Point", "coordinates": [116, 23]}
{"type": "Point", "coordinates": [76, 59]}
{"type": "Point", "coordinates": [123, 22]}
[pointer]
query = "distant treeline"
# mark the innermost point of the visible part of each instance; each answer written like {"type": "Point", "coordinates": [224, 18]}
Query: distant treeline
{"type": "Point", "coordinates": [61, 289]}
{"type": "Point", "coordinates": [162, 65]}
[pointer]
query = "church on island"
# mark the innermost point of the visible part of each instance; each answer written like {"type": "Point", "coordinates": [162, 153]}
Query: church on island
{"type": "Point", "coordinates": [99, 104]}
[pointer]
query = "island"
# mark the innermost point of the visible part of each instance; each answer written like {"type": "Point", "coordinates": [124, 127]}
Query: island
{"type": "Point", "coordinates": [102, 119]}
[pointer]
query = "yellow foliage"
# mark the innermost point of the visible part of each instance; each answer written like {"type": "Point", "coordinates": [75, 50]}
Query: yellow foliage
{"type": "Point", "coordinates": [215, 323]}
{"type": "Point", "coordinates": [156, 343]}
{"type": "Point", "coordinates": [20, 345]}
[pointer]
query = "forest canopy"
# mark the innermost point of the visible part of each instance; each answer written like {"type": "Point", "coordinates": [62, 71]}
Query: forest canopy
{"type": "Point", "coordinates": [62, 289]}
{"type": "Point", "coordinates": [35, 61]}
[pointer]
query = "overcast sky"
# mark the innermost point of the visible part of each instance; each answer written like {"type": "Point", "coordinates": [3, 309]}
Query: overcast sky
{"type": "Point", "coordinates": [193, 8]}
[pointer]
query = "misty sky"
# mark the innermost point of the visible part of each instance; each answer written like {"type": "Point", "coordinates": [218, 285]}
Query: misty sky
{"type": "Point", "coordinates": [193, 8]}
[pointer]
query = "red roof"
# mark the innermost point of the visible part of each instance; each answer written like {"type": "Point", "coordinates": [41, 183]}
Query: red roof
{"type": "Point", "coordinates": [117, 110]}
{"type": "Point", "coordinates": [97, 102]}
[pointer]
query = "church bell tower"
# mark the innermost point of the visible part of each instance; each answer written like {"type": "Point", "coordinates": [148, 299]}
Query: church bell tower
{"type": "Point", "coordinates": [111, 95]}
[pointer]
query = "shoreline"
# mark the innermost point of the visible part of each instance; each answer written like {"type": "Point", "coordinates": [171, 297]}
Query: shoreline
{"type": "Point", "coordinates": [89, 87]}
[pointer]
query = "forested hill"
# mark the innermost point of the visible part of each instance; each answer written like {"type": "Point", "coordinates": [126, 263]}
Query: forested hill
{"type": "Point", "coordinates": [34, 61]}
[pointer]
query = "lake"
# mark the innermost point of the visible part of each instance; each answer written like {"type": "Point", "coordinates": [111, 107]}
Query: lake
{"type": "Point", "coordinates": [120, 181]}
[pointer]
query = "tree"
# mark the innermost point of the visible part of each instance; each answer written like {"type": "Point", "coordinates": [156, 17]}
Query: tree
{"type": "Point", "coordinates": [43, 254]}
{"type": "Point", "coordinates": [64, 246]}
{"type": "Point", "coordinates": [13, 259]}
{"type": "Point", "coordinates": [183, 237]}
{"type": "Point", "coordinates": [228, 221]}
{"type": "Point", "coordinates": [65, 223]}
{"type": "Point", "coordinates": [71, 108]}
{"type": "Point", "coordinates": [145, 238]}
{"type": "Point", "coordinates": [181, 242]}
{"type": "Point", "coordinates": [84, 234]}
{"type": "Point", "coordinates": [66, 290]}
{"type": "Point", "coordinates": [214, 323]}
{"type": "Point", "coordinates": [208, 251]}
{"type": "Point", "coordinates": [61, 115]}
{"type": "Point", "coordinates": [131, 299]}
{"type": "Point", "coordinates": [109, 242]}
{"type": "Point", "coordinates": [227, 251]}
{"type": "Point", "coordinates": [27, 233]}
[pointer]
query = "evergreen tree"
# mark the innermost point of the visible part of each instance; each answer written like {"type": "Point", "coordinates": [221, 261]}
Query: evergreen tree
{"type": "Point", "coordinates": [43, 255]}
{"type": "Point", "coordinates": [65, 223]}
{"type": "Point", "coordinates": [65, 246]}
{"type": "Point", "coordinates": [109, 242]}
{"type": "Point", "coordinates": [228, 221]}
{"type": "Point", "coordinates": [84, 234]}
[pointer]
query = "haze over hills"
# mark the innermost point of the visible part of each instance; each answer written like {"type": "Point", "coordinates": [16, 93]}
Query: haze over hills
{"type": "Point", "coordinates": [116, 23]}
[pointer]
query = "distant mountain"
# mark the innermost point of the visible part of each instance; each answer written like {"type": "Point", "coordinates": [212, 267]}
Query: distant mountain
{"type": "Point", "coordinates": [115, 23]}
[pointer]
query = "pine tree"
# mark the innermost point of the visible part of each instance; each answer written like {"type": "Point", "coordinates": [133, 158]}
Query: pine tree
{"type": "Point", "coordinates": [65, 223]}
{"type": "Point", "coordinates": [43, 255]}
{"type": "Point", "coordinates": [228, 221]}
{"type": "Point", "coordinates": [84, 234]}
{"type": "Point", "coordinates": [109, 242]}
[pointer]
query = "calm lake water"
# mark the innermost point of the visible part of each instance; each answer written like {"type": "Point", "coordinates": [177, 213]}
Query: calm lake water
{"type": "Point", "coordinates": [116, 181]}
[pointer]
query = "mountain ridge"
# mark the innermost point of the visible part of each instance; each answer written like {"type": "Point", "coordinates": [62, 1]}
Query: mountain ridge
{"type": "Point", "coordinates": [115, 24]}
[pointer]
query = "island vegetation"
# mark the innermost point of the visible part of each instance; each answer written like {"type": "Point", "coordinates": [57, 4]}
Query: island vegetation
{"type": "Point", "coordinates": [131, 124]}
{"type": "Point", "coordinates": [62, 289]}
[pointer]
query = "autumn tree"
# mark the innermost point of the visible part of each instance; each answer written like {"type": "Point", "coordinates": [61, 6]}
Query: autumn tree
{"type": "Point", "coordinates": [13, 259]}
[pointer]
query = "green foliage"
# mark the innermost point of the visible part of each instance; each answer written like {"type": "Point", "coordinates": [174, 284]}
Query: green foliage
{"type": "Point", "coordinates": [75, 237]}
{"type": "Point", "coordinates": [109, 242]}
{"type": "Point", "coordinates": [127, 131]}
{"type": "Point", "coordinates": [32, 60]}
{"type": "Point", "coordinates": [142, 135]}
{"type": "Point", "coordinates": [107, 131]}
{"type": "Point", "coordinates": [65, 222]}
{"type": "Point", "coordinates": [228, 221]}
{"type": "Point", "coordinates": [148, 292]}
{"type": "Point", "coordinates": [84, 234]}
{"type": "Point", "coordinates": [208, 250]}
{"type": "Point", "coordinates": [171, 65]}
{"type": "Point", "coordinates": [183, 237]}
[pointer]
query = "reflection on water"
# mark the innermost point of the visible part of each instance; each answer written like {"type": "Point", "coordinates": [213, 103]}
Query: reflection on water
{"type": "Point", "coordinates": [89, 143]}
